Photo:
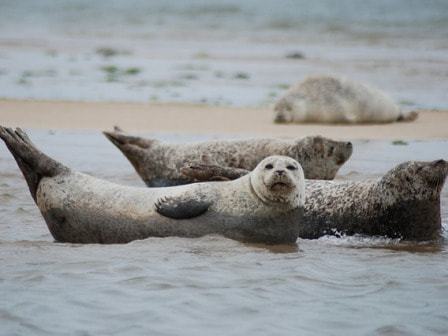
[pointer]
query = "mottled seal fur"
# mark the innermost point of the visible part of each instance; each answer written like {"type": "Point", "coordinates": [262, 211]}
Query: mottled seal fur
{"type": "Point", "coordinates": [158, 163]}
{"type": "Point", "coordinates": [404, 203]}
{"type": "Point", "coordinates": [261, 207]}
{"type": "Point", "coordinates": [330, 99]}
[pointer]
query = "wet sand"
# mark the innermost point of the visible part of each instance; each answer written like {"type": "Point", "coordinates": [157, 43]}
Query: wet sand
{"type": "Point", "coordinates": [203, 119]}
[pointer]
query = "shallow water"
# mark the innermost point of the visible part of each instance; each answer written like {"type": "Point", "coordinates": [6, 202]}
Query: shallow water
{"type": "Point", "coordinates": [213, 285]}
{"type": "Point", "coordinates": [226, 52]}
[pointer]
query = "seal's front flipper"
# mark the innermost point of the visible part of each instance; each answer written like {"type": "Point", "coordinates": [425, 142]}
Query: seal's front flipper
{"type": "Point", "coordinates": [181, 207]}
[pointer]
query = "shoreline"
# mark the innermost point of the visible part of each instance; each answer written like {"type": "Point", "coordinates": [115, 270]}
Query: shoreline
{"type": "Point", "coordinates": [203, 119]}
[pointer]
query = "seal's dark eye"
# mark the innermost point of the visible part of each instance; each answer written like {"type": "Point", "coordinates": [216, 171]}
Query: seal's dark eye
{"type": "Point", "coordinates": [330, 151]}
{"type": "Point", "coordinates": [291, 167]}
{"type": "Point", "coordinates": [269, 166]}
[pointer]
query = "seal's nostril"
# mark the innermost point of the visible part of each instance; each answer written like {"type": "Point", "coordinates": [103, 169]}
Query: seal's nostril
{"type": "Point", "coordinates": [349, 144]}
{"type": "Point", "coordinates": [280, 172]}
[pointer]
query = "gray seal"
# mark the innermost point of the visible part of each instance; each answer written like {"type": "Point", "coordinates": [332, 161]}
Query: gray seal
{"type": "Point", "coordinates": [331, 99]}
{"type": "Point", "coordinates": [261, 207]}
{"type": "Point", "coordinates": [404, 203]}
{"type": "Point", "coordinates": [158, 163]}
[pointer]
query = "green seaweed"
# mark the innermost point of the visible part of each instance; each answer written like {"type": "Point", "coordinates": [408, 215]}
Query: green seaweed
{"type": "Point", "coordinates": [114, 74]}
{"type": "Point", "coordinates": [295, 55]}
{"type": "Point", "coordinates": [241, 75]}
{"type": "Point", "coordinates": [23, 82]}
{"type": "Point", "coordinates": [52, 52]}
{"type": "Point", "coordinates": [132, 71]}
{"type": "Point", "coordinates": [193, 67]}
{"type": "Point", "coordinates": [107, 52]}
{"type": "Point", "coordinates": [281, 86]}
{"type": "Point", "coordinates": [399, 143]}
{"type": "Point", "coordinates": [190, 76]}
{"type": "Point", "coordinates": [406, 103]}
{"type": "Point", "coordinates": [110, 69]}
{"type": "Point", "coordinates": [163, 84]}
{"type": "Point", "coordinates": [202, 55]}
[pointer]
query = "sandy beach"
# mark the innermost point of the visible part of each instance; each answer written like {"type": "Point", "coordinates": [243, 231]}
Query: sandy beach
{"type": "Point", "coordinates": [203, 119]}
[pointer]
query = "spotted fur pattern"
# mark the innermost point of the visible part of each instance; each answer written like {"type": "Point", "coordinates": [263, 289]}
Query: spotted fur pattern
{"type": "Point", "coordinates": [159, 164]}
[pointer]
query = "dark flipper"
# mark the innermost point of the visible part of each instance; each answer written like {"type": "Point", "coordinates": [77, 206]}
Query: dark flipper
{"type": "Point", "coordinates": [133, 147]}
{"type": "Point", "coordinates": [124, 141]}
{"type": "Point", "coordinates": [209, 172]}
{"type": "Point", "coordinates": [180, 208]}
{"type": "Point", "coordinates": [32, 162]}
{"type": "Point", "coordinates": [118, 129]}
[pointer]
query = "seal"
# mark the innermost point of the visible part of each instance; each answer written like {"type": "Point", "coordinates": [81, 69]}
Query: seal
{"type": "Point", "coordinates": [330, 99]}
{"type": "Point", "coordinates": [261, 207]}
{"type": "Point", "coordinates": [404, 203]}
{"type": "Point", "coordinates": [159, 163]}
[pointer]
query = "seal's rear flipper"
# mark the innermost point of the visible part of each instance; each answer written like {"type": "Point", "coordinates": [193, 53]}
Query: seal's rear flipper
{"type": "Point", "coordinates": [32, 162]}
{"type": "Point", "coordinates": [408, 116]}
{"type": "Point", "coordinates": [181, 208]}
{"type": "Point", "coordinates": [123, 141]}
{"type": "Point", "coordinates": [118, 129]}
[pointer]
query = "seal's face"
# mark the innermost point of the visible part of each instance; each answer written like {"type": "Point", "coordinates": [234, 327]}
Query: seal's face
{"type": "Point", "coordinates": [284, 111]}
{"type": "Point", "coordinates": [416, 179]}
{"type": "Point", "coordinates": [321, 157]}
{"type": "Point", "coordinates": [279, 179]}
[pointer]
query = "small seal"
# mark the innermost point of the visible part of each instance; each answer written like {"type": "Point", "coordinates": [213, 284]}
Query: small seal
{"type": "Point", "coordinates": [159, 163]}
{"type": "Point", "coordinates": [330, 99]}
{"type": "Point", "coordinates": [261, 207]}
{"type": "Point", "coordinates": [404, 203]}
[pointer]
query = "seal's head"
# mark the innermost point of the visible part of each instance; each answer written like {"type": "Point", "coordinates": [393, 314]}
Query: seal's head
{"type": "Point", "coordinates": [321, 157]}
{"type": "Point", "coordinates": [284, 110]}
{"type": "Point", "coordinates": [279, 180]}
{"type": "Point", "coordinates": [416, 180]}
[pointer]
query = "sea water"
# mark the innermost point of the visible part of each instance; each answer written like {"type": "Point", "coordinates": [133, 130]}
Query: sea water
{"type": "Point", "coordinates": [232, 53]}
{"type": "Point", "coordinates": [213, 285]}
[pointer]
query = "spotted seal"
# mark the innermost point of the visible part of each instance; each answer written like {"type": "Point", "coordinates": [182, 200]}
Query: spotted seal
{"type": "Point", "coordinates": [158, 163]}
{"type": "Point", "coordinates": [261, 207]}
{"type": "Point", "coordinates": [330, 99]}
{"type": "Point", "coordinates": [404, 203]}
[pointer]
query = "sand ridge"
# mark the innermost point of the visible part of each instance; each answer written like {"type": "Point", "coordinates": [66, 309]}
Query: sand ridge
{"type": "Point", "coordinates": [203, 119]}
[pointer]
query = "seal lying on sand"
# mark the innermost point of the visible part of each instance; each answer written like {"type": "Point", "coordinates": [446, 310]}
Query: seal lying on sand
{"type": "Point", "coordinates": [328, 99]}
{"type": "Point", "coordinates": [261, 207]}
{"type": "Point", "coordinates": [158, 163]}
{"type": "Point", "coordinates": [404, 203]}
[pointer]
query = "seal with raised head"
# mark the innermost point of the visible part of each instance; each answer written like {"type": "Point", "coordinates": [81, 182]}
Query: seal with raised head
{"type": "Point", "coordinates": [261, 207]}
{"type": "Point", "coordinates": [158, 163]}
{"type": "Point", "coordinates": [404, 203]}
{"type": "Point", "coordinates": [331, 99]}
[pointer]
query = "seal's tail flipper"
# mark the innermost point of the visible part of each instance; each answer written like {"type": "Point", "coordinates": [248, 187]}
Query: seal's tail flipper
{"type": "Point", "coordinates": [121, 140]}
{"type": "Point", "coordinates": [33, 163]}
{"type": "Point", "coordinates": [408, 116]}
{"type": "Point", "coordinates": [119, 129]}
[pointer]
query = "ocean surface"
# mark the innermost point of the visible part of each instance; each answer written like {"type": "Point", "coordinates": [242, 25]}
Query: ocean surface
{"type": "Point", "coordinates": [232, 53]}
{"type": "Point", "coordinates": [213, 285]}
